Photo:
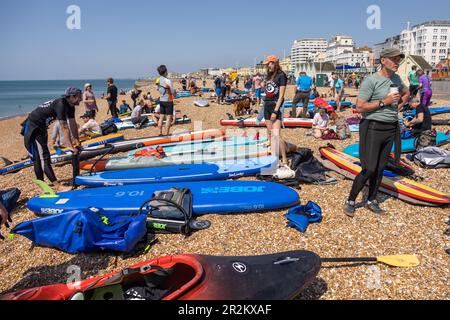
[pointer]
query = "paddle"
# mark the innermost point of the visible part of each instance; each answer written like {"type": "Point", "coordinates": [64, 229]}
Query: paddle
{"type": "Point", "coordinates": [401, 261]}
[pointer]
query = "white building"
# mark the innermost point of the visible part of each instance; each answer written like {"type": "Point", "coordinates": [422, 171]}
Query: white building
{"type": "Point", "coordinates": [303, 50]}
{"type": "Point", "coordinates": [431, 40]}
{"type": "Point", "coordinates": [338, 45]}
{"type": "Point", "coordinates": [392, 42]}
{"type": "Point", "coordinates": [354, 58]}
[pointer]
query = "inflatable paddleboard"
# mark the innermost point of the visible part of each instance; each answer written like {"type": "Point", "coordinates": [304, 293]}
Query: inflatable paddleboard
{"type": "Point", "coordinates": [278, 276]}
{"type": "Point", "coordinates": [129, 125]}
{"type": "Point", "coordinates": [202, 156]}
{"type": "Point", "coordinates": [230, 169]}
{"type": "Point", "coordinates": [217, 197]}
{"type": "Point", "coordinates": [65, 155]}
{"type": "Point", "coordinates": [288, 122]}
{"type": "Point", "coordinates": [201, 103]}
{"type": "Point", "coordinates": [208, 146]}
{"type": "Point", "coordinates": [403, 188]}
{"type": "Point", "coordinates": [311, 105]}
{"type": "Point", "coordinates": [407, 145]}
{"type": "Point", "coordinates": [433, 111]}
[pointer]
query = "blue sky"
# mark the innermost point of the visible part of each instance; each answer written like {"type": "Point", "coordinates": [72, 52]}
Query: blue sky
{"type": "Point", "coordinates": [129, 39]}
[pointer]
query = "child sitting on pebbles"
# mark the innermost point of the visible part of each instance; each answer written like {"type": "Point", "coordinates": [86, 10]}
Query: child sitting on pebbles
{"type": "Point", "coordinates": [320, 123]}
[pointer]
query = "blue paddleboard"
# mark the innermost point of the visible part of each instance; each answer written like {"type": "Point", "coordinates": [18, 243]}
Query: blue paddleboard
{"type": "Point", "coordinates": [407, 145]}
{"type": "Point", "coordinates": [433, 111]}
{"type": "Point", "coordinates": [229, 169]}
{"type": "Point", "coordinates": [311, 105]}
{"type": "Point", "coordinates": [218, 197]}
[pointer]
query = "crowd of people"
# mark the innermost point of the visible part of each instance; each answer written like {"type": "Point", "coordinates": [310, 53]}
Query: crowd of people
{"type": "Point", "coordinates": [381, 97]}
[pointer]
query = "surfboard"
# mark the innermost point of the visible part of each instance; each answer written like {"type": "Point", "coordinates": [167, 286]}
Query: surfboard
{"type": "Point", "coordinates": [403, 188]}
{"type": "Point", "coordinates": [209, 197]}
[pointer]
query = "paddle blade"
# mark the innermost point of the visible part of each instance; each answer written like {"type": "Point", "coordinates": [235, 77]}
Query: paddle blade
{"type": "Point", "coordinates": [402, 261]}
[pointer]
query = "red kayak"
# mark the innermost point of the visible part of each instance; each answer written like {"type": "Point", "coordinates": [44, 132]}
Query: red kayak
{"type": "Point", "coordinates": [193, 277]}
{"type": "Point", "coordinates": [288, 122]}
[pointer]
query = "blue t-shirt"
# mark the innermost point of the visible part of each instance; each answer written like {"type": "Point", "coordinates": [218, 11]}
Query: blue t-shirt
{"type": "Point", "coordinates": [304, 83]}
{"type": "Point", "coordinates": [339, 85]}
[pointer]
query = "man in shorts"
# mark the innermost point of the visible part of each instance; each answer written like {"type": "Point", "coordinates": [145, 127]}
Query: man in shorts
{"type": "Point", "coordinates": [304, 86]}
{"type": "Point", "coordinates": [167, 95]}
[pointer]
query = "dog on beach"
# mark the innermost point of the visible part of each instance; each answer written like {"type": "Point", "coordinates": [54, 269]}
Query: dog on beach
{"type": "Point", "coordinates": [242, 107]}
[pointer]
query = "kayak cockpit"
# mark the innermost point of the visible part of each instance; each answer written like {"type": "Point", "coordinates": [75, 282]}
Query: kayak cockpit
{"type": "Point", "coordinates": [166, 280]}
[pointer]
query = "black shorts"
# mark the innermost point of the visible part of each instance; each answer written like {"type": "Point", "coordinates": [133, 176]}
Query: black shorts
{"type": "Point", "coordinates": [269, 108]}
{"type": "Point", "coordinates": [166, 108]}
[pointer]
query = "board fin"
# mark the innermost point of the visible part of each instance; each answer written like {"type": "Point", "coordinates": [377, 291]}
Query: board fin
{"type": "Point", "coordinates": [48, 191]}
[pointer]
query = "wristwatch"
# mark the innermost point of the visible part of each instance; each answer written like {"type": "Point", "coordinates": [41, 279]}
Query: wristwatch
{"type": "Point", "coordinates": [382, 105]}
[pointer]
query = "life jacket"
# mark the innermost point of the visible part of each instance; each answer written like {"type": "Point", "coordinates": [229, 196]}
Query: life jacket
{"type": "Point", "coordinates": [158, 153]}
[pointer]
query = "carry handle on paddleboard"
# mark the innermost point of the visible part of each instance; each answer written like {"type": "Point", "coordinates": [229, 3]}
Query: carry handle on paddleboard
{"type": "Point", "coordinates": [109, 149]}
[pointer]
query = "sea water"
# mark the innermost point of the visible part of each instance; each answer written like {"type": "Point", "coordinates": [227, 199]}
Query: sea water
{"type": "Point", "coordinates": [22, 97]}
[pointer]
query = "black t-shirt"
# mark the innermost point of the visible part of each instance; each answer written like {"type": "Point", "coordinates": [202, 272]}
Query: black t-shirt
{"type": "Point", "coordinates": [112, 91]}
{"type": "Point", "coordinates": [426, 124]}
{"type": "Point", "coordinates": [273, 86]}
{"type": "Point", "coordinates": [48, 112]}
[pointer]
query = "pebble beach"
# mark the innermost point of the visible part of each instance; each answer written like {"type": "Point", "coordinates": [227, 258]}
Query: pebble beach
{"type": "Point", "coordinates": [404, 229]}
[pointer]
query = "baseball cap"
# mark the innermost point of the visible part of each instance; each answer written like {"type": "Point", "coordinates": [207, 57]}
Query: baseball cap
{"type": "Point", "coordinates": [271, 58]}
{"type": "Point", "coordinates": [391, 53]}
{"type": "Point", "coordinates": [72, 91]}
{"type": "Point", "coordinates": [87, 85]}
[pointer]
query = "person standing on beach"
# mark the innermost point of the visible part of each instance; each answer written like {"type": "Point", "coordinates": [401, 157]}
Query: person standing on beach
{"type": "Point", "coordinates": [89, 101]}
{"type": "Point", "coordinates": [275, 88]}
{"type": "Point", "coordinates": [304, 86]}
{"type": "Point", "coordinates": [332, 89]}
{"type": "Point", "coordinates": [425, 88]}
{"type": "Point", "coordinates": [381, 96]}
{"type": "Point", "coordinates": [112, 98]}
{"type": "Point", "coordinates": [413, 82]}
{"type": "Point", "coordinates": [166, 100]}
{"type": "Point", "coordinates": [218, 89]}
{"type": "Point", "coordinates": [223, 87]}
{"type": "Point", "coordinates": [36, 135]}
{"type": "Point", "coordinates": [339, 91]}
{"type": "Point", "coordinates": [258, 89]}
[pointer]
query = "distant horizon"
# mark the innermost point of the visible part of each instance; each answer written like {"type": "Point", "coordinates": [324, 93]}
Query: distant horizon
{"type": "Point", "coordinates": [129, 40]}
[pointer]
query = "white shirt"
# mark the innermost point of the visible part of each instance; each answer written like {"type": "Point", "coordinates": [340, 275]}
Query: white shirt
{"type": "Point", "coordinates": [321, 122]}
{"type": "Point", "coordinates": [136, 111]}
{"type": "Point", "coordinates": [92, 126]}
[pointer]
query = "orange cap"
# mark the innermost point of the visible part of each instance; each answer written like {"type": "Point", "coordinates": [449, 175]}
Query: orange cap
{"type": "Point", "coordinates": [271, 59]}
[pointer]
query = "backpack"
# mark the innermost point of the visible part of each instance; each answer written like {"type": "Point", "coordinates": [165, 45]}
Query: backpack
{"type": "Point", "coordinates": [170, 211]}
{"type": "Point", "coordinates": [425, 139]}
{"type": "Point", "coordinates": [109, 128]}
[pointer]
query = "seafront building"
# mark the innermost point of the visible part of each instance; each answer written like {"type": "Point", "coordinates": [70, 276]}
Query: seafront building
{"type": "Point", "coordinates": [303, 50]}
{"type": "Point", "coordinates": [430, 40]}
